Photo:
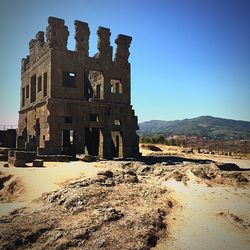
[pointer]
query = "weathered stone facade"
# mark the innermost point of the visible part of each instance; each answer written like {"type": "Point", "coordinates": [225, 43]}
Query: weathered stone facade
{"type": "Point", "coordinates": [72, 103]}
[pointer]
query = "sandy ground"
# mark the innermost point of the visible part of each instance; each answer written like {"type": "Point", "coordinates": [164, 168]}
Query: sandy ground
{"type": "Point", "coordinates": [174, 150]}
{"type": "Point", "coordinates": [197, 223]}
{"type": "Point", "coordinates": [36, 181]}
{"type": "Point", "coordinates": [203, 217]}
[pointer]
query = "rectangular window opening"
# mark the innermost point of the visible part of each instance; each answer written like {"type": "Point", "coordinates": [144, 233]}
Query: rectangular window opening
{"type": "Point", "coordinates": [45, 84]}
{"type": "Point", "coordinates": [68, 79]}
{"type": "Point", "coordinates": [27, 91]}
{"type": "Point", "coordinates": [71, 139]}
{"type": "Point", "coordinates": [116, 86]}
{"type": "Point", "coordinates": [23, 96]}
{"type": "Point", "coordinates": [94, 117]}
{"type": "Point", "coordinates": [39, 84]}
{"type": "Point", "coordinates": [117, 122]}
{"type": "Point", "coordinates": [93, 83]}
{"type": "Point", "coordinates": [33, 89]}
{"type": "Point", "coordinates": [68, 119]}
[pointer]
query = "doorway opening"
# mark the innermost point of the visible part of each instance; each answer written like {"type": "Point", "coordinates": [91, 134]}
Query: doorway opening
{"type": "Point", "coordinates": [92, 140]}
{"type": "Point", "coordinates": [116, 144]}
{"type": "Point", "coordinates": [68, 142]}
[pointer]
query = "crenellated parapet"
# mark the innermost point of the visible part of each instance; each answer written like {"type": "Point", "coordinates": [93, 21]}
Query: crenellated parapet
{"type": "Point", "coordinates": [57, 37]}
{"type": "Point", "coordinates": [122, 51]}
{"type": "Point", "coordinates": [56, 33]}
{"type": "Point", "coordinates": [32, 45]}
{"type": "Point", "coordinates": [25, 61]}
{"type": "Point", "coordinates": [105, 50]}
{"type": "Point", "coordinates": [40, 38]}
{"type": "Point", "coordinates": [36, 46]}
{"type": "Point", "coordinates": [82, 37]}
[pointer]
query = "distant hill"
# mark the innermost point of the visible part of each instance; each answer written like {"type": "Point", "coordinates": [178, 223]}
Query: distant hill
{"type": "Point", "coordinates": [212, 127]}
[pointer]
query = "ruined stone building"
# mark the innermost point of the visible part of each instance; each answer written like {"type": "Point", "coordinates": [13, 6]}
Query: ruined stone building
{"type": "Point", "coordinates": [72, 103]}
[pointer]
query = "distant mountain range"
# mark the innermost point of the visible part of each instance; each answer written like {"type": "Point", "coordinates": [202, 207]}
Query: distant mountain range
{"type": "Point", "coordinates": [212, 127]}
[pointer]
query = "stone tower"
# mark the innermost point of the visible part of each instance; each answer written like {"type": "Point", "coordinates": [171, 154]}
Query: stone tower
{"type": "Point", "coordinates": [72, 103]}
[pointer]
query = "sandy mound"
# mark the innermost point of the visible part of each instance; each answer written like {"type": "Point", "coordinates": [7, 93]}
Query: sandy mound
{"type": "Point", "coordinates": [208, 172]}
{"type": "Point", "coordinates": [236, 220]}
{"type": "Point", "coordinates": [151, 147]}
{"type": "Point", "coordinates": [127, 205]}
{"type": "Point", "coordinates": [112, 211]}
{"type": "Point", "coordinates": [10, 188]}
{"type": "Point", "coordinates": [3, 179]}
{"type": "Point", "coordinates": [212, 174]}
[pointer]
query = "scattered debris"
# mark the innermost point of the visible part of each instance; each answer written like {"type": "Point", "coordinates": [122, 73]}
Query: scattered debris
{"type": "Point", "coordinates": [236, 220]}
{"type": "Point", "coordinates": [111, 211]}
{"type": "Point", "coordinates": [89, 158]}
{"type": "Point", "coordinates": [187, 150]}
{"type": "Point", "coordinates": [215, 175]}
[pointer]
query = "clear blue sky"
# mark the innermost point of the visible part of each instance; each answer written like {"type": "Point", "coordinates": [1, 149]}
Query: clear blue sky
{"type": "Point", "coordinates": [188, 57]}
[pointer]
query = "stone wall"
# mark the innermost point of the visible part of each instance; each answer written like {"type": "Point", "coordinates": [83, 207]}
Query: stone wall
{"type": "Point", "coordinates": [8, 138]}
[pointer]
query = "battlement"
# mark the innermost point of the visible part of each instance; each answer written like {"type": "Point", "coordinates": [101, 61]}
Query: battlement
{"type": "Point", "coordinates": [57, 38]}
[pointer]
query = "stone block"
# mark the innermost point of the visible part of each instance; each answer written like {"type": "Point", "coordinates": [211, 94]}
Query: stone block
{"type": "Point", "coordinates": [6, 165]}
{"type": "Point", "coordinates": [19, 162]}
{"type": "Point", "coordinates": [3, 157]}
{"type": "Point", "coordinates": [4, 151]}
{"type": "Point", "coordinates": [28, 156]}
{"type": "Point", "coordinates": [37, 163]}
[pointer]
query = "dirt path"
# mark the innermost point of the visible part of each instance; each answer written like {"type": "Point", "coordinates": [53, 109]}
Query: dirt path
{"type": "Point", "coordinates": [203, 219]}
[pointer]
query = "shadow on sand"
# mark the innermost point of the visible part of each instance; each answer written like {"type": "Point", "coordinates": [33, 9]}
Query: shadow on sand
{"type": "Point", "coordinates": [171, 160]}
